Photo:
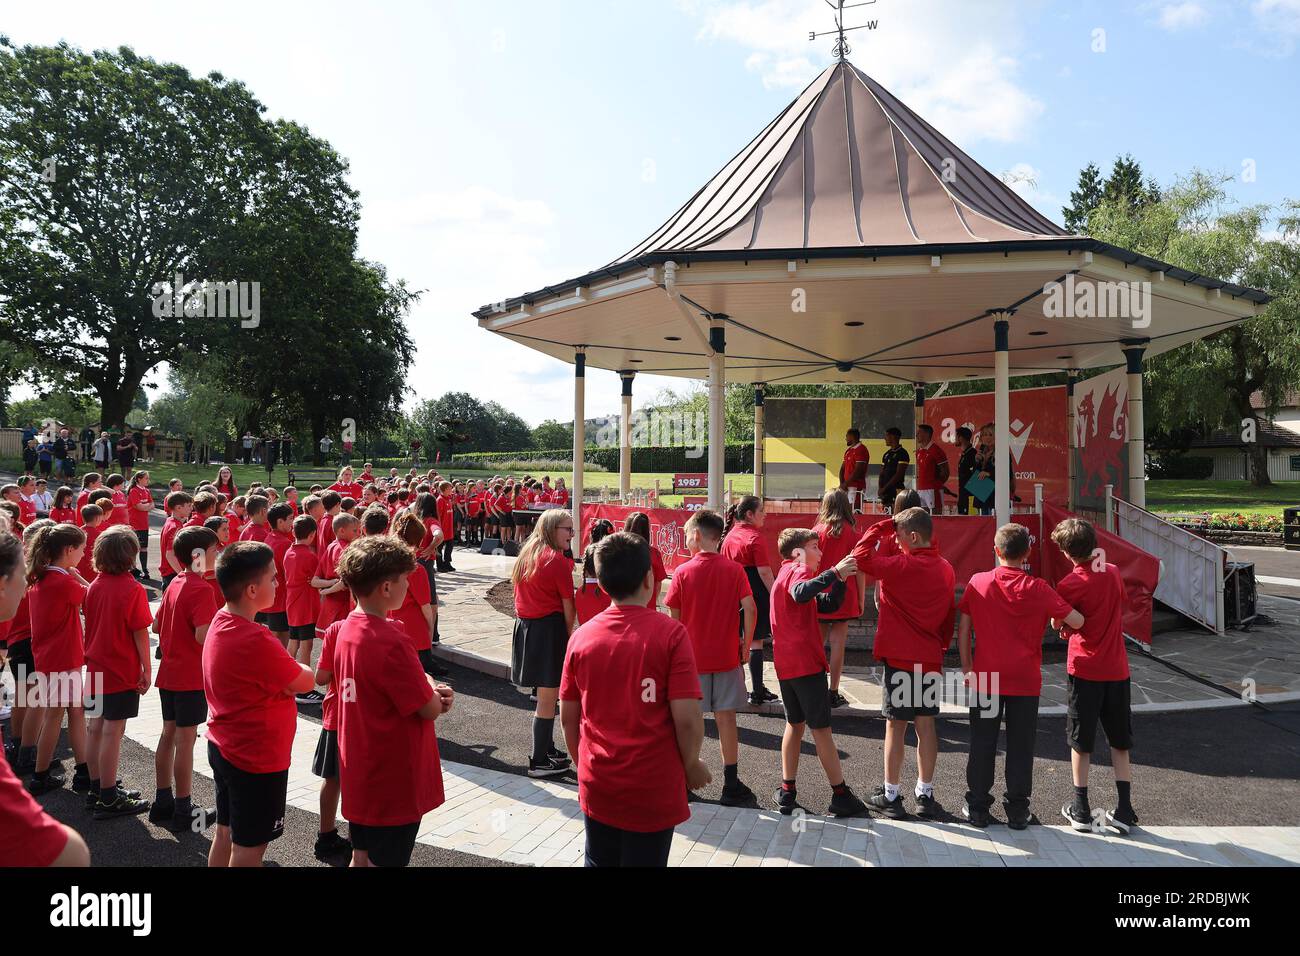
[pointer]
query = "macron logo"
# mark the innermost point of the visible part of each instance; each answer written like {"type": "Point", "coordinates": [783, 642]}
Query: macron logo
{"type": "Point", "coordinates": [1020, 438]}
{"type": "Point", "coordinates": [77, 909]}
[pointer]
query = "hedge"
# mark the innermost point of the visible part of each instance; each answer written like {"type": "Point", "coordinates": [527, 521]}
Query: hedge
{"type": "Point", "coordinates": [1175, 466]}
{"type": "Point", "coordinates": [739, 458]}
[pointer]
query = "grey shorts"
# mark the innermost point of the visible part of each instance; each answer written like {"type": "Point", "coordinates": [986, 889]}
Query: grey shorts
{"type": "Point", "coordinates": [724, 690]}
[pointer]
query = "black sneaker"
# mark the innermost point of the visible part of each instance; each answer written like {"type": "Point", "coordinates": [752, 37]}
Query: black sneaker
{"type": "Point", "coordinates": [1019, 820]}
{"type": "Point", "coordinates": [1122, 820]}
{"type": "Point", "coordinates": [123, 806]}
{"type": "Point", "coordinates": [161, 812]}
{"type": "Point", "coordinates": [310, 697]}
{"type": "Point", "coordinates": [975, 816]}
{"type": "Point", "coordinates": [93, 796]}
{"type": "Point", "coordinates": [47, 784]}
{"type": "Point", "coordinates": [24, 766]}
{"type": "Point", "coordinates": [737, 795]}
{"type": "Point", "coordinates": [768, 696]}
{"type": "Point", "coordinates": [546, 768]}
{"type": "Point", "coordinates": [559, 756]}
{"type": "Point", "coordinates": [80, 783]}
{"type": "Point", "coordinates": [203, 817]}
{"type": "Point", "coordinates": [1079, 820]}
{"type": "Point", "coordinates": [879, 803]}
{"type": "Point", "coordinates": [331, 845]}
{"type": "Point", "coordinates": [846, 804]}
{"type": "Point", "coordinates": [928, 808]}
{"type": "Point", "coordinates": [786, 801]}
{"type": "Point", "coordinates": [838, 699]}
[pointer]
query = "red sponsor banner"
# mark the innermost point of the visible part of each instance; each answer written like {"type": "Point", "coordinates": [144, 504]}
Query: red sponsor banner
{"type": "Point", "coordinates": [690, 503]}
{"type": "Point", "coordinates": [1040, 436]}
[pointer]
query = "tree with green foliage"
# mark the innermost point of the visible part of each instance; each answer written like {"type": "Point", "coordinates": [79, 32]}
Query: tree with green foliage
{"type": "Point", "coordinates": [1209, 383]}
{"type": "Point", "coordinates": [551, 434]}
{"type": "Point", "coordinates": [1083, 200]}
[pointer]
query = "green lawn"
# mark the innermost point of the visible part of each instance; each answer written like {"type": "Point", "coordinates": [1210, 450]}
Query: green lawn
{"type": "Point", "coordinates": [1222, 496]}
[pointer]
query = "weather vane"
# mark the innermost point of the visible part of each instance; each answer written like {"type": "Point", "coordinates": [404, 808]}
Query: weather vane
{"type": "Point", "coordinates": [842, 48]}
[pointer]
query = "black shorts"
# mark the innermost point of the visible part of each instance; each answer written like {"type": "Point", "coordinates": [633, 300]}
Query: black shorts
{"type": "Point", "coordinates": [907, 694]}
{"type": "Point", "coordinates": [1091, 701]}
{"type": "Point", "coordinates": [251, 804]}
{"type": "Point", "coordinates": [302, 632]}
{"type": "Point", "coordinates": [21, 661]}
{"type": "Point", "coordinates": [185, 708]}
{"type": "Point", "coordinates": [121, 705]}
{"type": "Point", "coordinates": [261, 617]}
{"type": "Point", "coordinates": [508, 520]}
{"type": "Point", "coordinates": [807, 700]}
{"type": "Point", "coordinates": [326, 762]}
{"type": "Point", "coordinates": [537, 651]}
{"type": "Point", "coordinates": [277, 621]}
{"type": "Point", "coordinates": [386, 846]}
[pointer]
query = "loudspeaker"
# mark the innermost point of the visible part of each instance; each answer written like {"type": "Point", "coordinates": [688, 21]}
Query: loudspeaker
{"type": "Point", "coordinates": [1239, 595]}
{"type": "Point", "coordinates": [490, 546]}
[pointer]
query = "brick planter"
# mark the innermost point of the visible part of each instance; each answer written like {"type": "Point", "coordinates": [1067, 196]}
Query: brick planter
{"type": "Point", "coordinates": [1259, 539]}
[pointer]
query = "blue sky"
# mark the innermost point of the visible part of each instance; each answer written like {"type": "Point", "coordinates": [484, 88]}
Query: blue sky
{"type": "Point", "coordinates": [501, 147]}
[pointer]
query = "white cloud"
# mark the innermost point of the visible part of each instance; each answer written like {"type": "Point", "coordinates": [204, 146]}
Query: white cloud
{"type": "Point", "coordinates": [1182, 16]}
{"type": "Point", "coordinates": [1279, 22]}
{"type": "Point", "coordinates": [955, 64]}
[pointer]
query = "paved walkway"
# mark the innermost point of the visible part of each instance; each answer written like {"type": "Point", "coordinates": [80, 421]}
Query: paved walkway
{"type": "Point", "coordinates": [1264, 661]}
{"type": "Point", "coordinates": [509, 817]}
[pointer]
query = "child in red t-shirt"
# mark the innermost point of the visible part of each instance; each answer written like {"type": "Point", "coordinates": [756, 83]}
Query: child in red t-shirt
{"type": "Point", "coordinates": [418, 615]}
{"type": "Point", "coordinates": [638, 522]}
{"type": "Point", "coordinates": [301, 600]}
{"type": "Point", "coordinates": [389, 771]}
{"type": "Point", "coordinates": [543, 582]}
{"type": "Point", "coordinates": [139, 505]}
{"type": "Point", "coordinates": [250, 682]}
{"type": "Point", "coordinates": [1009, 610]}
{"type": "Point", "coordinates": [335, 601]}
{"type": "Point", "coordinates": [118, 668]}
{"type": "Point", "coordinates": [116, 485]}
{"type": "Point", "coordinates": [590, 599]}
{"type": "Point", "coordinates": [55, 595]}
{"type": "Point", "coordinates": [1097, 674]}
{"type": "Point", "coordinates": [178, 506]}
{"type": "Point", "coordinates": [746, 545]}
{"type": "Point", "coordinates": [447, 521]}
{"type": "Point", "coordinates": [914, 631]}
{"type": "Point", "coordinates": [90, 483]}
{"type": "Point", "coordinates": [836, 537]}
{"type": "Point", "coordinates": [182, 622]}
{"type": "Point", "coordinates": [279, 537]}
{"type": "Point", "coordinates": [28, 836]}
{"type": "Point", "coordinates": [63, 511]}
{"type": "Point", "coordinates": [710, 595]}
{"type": "Point", "coordinates": [94, 522]}
{"type": "Point", "coordinates": [801, 666]}
{"type": "Point", "coordinates": [631, 714]}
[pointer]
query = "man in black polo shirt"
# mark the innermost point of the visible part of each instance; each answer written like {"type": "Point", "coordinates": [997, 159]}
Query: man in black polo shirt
{"type": "Point", "coordinates": [893, 467]}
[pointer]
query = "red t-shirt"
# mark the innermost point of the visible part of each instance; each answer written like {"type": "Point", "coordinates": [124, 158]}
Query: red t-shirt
{"type": "Point", "coordinates": [65, 516]}
{"type": "Point", "coordinates": [86, 566]}
{"type": "Point", "coordinates": [55, 606]}
{"type": "Point", "coordinates": [26, 511]}
{"type": "Point", "coordinates": [927, 462]}
{"type": "Point", "coordinates": [388, 755]}
{"type": "Point", "coordinates": [253, 532]}
{"type": "Point", "coordinates": [916, 602]}
{"type": "Point", "coordinates": [660, 575]}
{"type": "Point", "coordinates": [624, 668]}
{"type": "Point", "coordinates": [560, 496]}
{"type": "Point", "coordinates": [544, 592]}
{"type": "Point", "coordinates": [165, 541]}
{"type": "Point", "coordinates": [187, 605]}
{"type": "Point", "coordinates": [83, 499]}
{"type": "Point", "coordinates": [329, 706]}
{"type": "Point", "coordinates": [352, 490]}
{"type": "Point", "coordinates": [324, 532]}
{"type": "Point", "coordinates": [853, 455]}
{"type": "Point", "coordinates": [447, 516]}
{"type": "Point", "coordinates": [118, 514]}
{"type": "Point", "coordinates": [1009, 611]}
{"type": "Point", "coordinates": [797, 649]}
{"type": "Point", "coordinates": [251, 718]}
{"type": "Point", "coordinates": [301, 600]}
{"type": "Point", "coordinates": [116, 607]}
{"type": "Point", "coordinates": [475, 504]}
{"type": "Point", "coordinates": [745, 545]}
{"type": "Point", "coordinates": [707, 590]}
{"type": "Point", "coordinates": [139, 520]}
{"type": "Point", "coordinates": [333, 607]}
{"type": "Point", "coordinates": [834, 550]}
{"type": "Point", "coordinates": [28, 835]}
{"type": "Point", "coordinates": [20, 628]}
{"type": "Point", "coordinates": [409, 617]}
{"type": "Point", "coordinates": [1097, 651]}
{"type": "Point", "coordinates": [231, 491]}
{"type": "Point", "coordinates": [235, 523]}
{"type": "Point", "coordinates": [279, 545]}
{"type": "Point", "coordinates": [506, 502]}
{"type": "Point", "coordinates": [589, 600]}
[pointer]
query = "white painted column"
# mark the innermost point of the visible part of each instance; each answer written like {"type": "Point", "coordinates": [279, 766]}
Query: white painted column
{"type": "Point", "coordinates": [1002, 416]}
{"type": "Point", "coordinates": [717, 412]}
{"type": "Point", "coordinates": [579, 442]}
{"type": "Point", "coordinates": [625, 438]}
{"type": "Point", "coordinates": [1137, 444]}
{"type": "Point", "coordinates": [1072, 446]}
{"type": "Point", "coordinates": [759, 435]}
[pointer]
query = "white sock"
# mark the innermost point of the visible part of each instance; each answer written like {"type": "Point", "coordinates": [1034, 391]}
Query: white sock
{"type": "Point", "coordinates": [924, 789]}
{"type": "Point", "coordinates": [891, 791]}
